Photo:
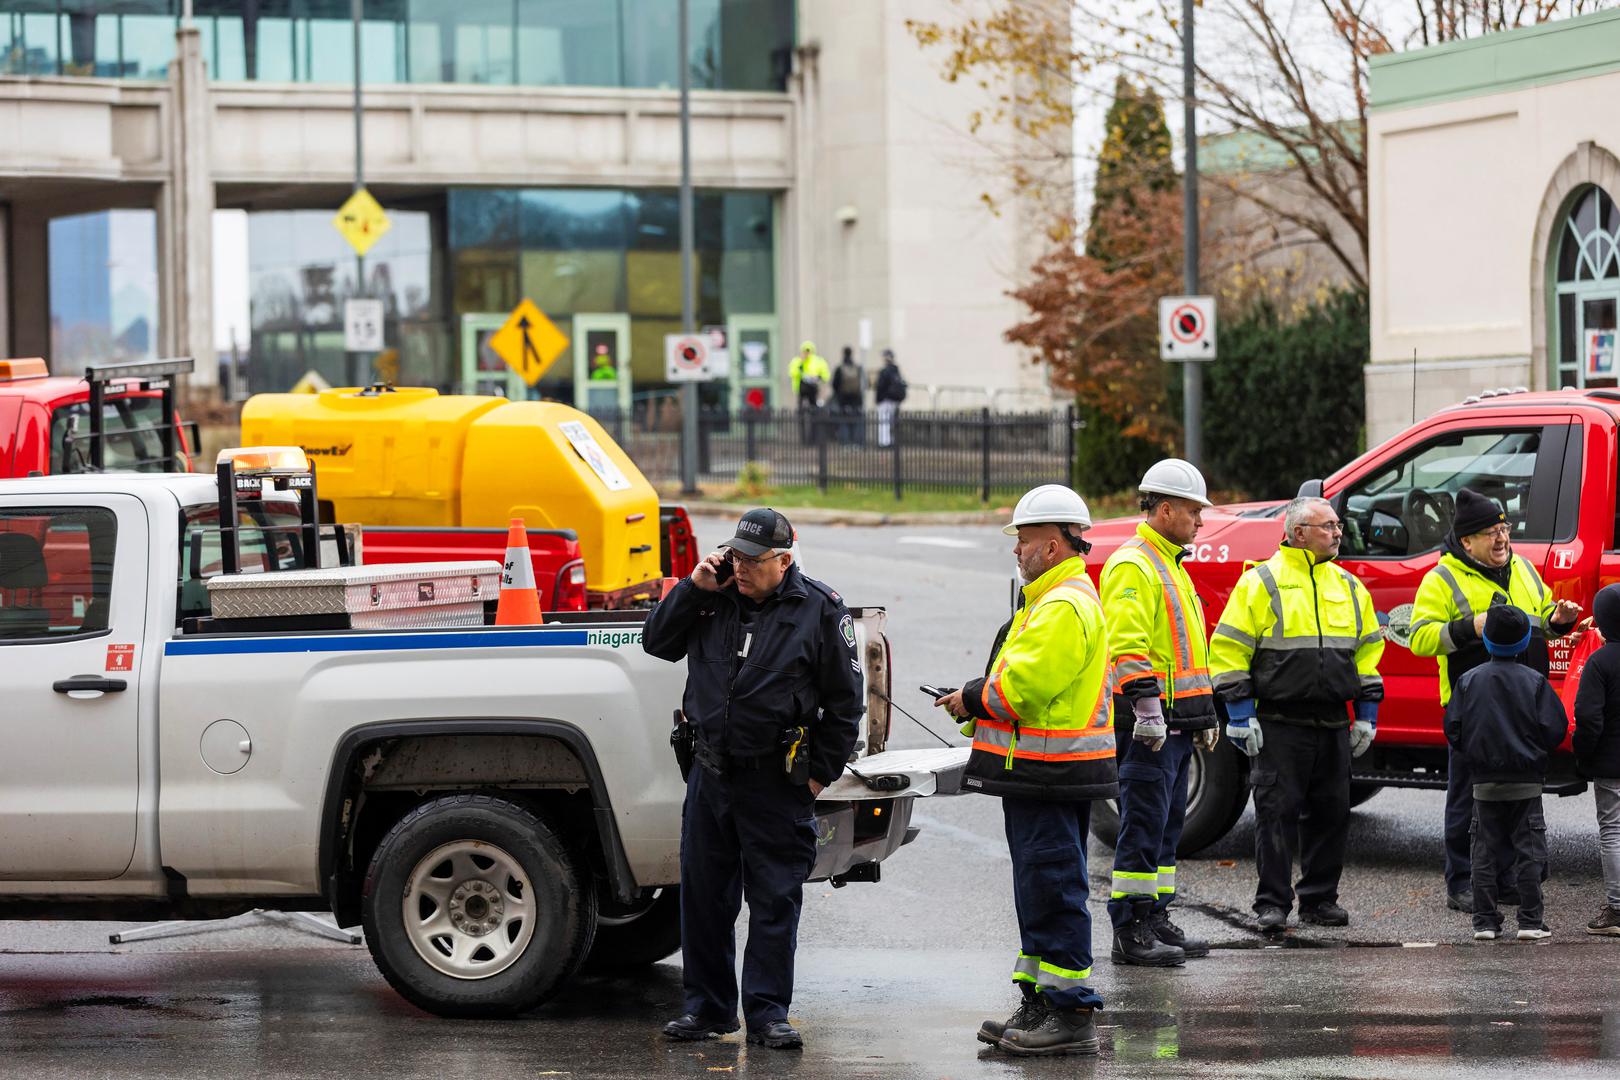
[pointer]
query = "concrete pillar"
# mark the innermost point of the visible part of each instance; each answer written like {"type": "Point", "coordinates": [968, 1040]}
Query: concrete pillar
{"type": "Point", "coordinates": [186, 218]}
{"type": "Point", "coordinates": [28, 271]}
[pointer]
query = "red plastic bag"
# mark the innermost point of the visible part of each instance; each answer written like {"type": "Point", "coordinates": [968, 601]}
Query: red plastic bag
{"type": "Point", "coordinates": [1590, 642]}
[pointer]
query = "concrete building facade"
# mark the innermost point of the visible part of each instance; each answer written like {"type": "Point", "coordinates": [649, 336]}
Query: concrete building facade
{"type": "Point", "coordinates": [522, 148]}
{"type": "Point", "coordinates": [1495, 241]}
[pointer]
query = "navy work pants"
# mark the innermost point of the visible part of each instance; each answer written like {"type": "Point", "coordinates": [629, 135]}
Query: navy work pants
{"type": "Point", "coordinates": [1152, 810]}
{"type": "Point", "coordinates": [746, 834]}
{"type": "Point", "coordinates": [1047, 841]}
{"type": "Point", "coordinates": [1301, 786]}
{"type": "Point", "coordinates": [1460, 832]}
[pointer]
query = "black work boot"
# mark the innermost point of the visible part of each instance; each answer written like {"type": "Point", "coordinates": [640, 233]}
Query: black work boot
{"type": "Point", "coordinates": [778, 1035]}
{"type": "Point", "coordinates": [1324, 914]}
{"type": "Point", "coordinates": [1030, 1012]}
{"type": "Point", "coordinates": [689, 1028]}
{"type": "Point", "coordinates": [1171, 934]}
{"type": "Point", "coordinates": [1136, 944]}
{"type": "Point", "coordinates": [1061, 1031]}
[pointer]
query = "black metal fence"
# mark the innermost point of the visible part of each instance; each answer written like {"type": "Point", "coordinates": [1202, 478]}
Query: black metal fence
{"type": "Point", "coordinates": [979, 450]}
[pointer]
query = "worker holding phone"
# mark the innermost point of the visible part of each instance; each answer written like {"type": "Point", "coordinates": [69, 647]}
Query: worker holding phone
{"type": "Point", "coordinates": [773, 691]}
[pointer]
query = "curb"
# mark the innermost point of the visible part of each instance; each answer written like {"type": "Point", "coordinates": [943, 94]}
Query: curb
{"type": "Point", "coordinates": [807, 515]}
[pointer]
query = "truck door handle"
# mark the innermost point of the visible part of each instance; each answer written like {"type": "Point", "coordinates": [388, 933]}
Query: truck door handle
{"type": "Point", "coordinates": [88, 687]}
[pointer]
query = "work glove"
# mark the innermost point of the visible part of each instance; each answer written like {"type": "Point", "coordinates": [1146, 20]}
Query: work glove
{"type": "Point", "coordinates": [1365, 727]}
{"type": "Point", "coordinates": [1208, 738]}
{"type": "Point", "coordinates": [1150, 726]}
{"type": "Point", "coordinates": [1243, 727]}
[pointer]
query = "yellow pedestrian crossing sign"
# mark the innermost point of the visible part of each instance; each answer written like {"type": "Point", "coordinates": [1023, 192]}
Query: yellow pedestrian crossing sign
{"type": "Point", "coordinates": [528, 342]}
{"type": "Point", "coordinates": [361, 221]}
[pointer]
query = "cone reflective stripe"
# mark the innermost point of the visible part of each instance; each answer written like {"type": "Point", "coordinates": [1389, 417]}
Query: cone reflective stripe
{"type": "Point", "coordinates": [519, 603]}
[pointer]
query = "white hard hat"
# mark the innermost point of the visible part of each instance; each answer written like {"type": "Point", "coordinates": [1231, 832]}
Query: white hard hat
{"type": "Point", "coordinates": [1172, 476]}
{"type": "Point", "coordinates": [1050, 504]}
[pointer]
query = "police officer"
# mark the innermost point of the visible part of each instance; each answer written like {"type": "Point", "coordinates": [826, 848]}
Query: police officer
{"type": "Point", "coordinates": [773, 688]}
{"type": "Point", "coordinates": [1477, 571]}
{"type": "Point", "coordinates": [1298, 644]}
{"type": "Point", "coordinates": [1165, 706]}
{"type": "Point", "coordinates": [1042, 727]}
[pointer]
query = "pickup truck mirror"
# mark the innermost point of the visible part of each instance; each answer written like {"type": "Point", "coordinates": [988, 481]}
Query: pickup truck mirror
{"type": "Point", "coordinates": [1310, 489]}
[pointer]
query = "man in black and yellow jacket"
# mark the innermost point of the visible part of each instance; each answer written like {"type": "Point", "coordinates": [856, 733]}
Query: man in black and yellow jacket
{"type": "Point", "coordinates": [1043, 740]}
{"type": "Point", "coordinates": [1476, 572]}
{"type": "Point", "coordinates": [1296, 647]}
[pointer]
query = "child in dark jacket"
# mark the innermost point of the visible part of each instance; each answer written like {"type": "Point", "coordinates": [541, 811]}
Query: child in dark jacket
{"type": "Point", "coordinates": [1505, 720]}
{"type": "Point", "coordinates": [1597, 749]}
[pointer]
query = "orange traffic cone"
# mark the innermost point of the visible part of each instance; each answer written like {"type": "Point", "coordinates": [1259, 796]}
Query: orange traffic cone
{"type": "Point", "coordinates": [519, 602]}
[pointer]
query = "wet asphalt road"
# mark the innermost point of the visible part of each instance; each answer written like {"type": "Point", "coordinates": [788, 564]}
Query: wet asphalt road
{"type": "Point", "coordinates": [894, 978]}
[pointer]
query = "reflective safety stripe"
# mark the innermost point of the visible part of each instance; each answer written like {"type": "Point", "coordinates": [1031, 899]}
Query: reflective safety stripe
{"type": "Point", "coordinates": [1370, 639]}
{"type": "Point", "coordinates": [1310, 641]}
{"type": "Point", "coordinates": [1132, 667]}
{"type": "Point", "coordinates": [1229, 678]}
{"type": "Point", "coordinates": [1226, 629]}
{"type": "Point", "coordinates": [1134, 883]}
{"type": "Point", "coordinates": [1026, 968]}
{"type": "Point", "coordinates": [1052, 977]}
{"type": "Point", "coordinates": [1046, 744]}
{"type": "Point", "coordinates": [1458, 597]}
{"type": "Point", "coordinates": [1167, 880]}
{"type": "Point", "coordinates": [1355, 601]}
{"type": "Point", "coordinates": [1370, 681]}
{"type": "Point", "coordinates": [1274, 594]}
{"type": "Point", "coordinates": [1185, 680]}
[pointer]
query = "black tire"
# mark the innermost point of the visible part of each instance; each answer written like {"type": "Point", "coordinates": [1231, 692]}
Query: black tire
{"type": "Point", "coordinates": [1217, 792]}
{"type": "Point", "coordinates": [475, 829]}
{"type": "Point", "coordinates": [1360, 791]}
{"type": "Point", "coordinates": [632, 937]}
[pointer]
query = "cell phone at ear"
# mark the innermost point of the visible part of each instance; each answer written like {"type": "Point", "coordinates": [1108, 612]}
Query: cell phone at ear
{"type": "Point", "coordinates": [936, 692]}
{"type": "Point", "coordinates": [726, 569]}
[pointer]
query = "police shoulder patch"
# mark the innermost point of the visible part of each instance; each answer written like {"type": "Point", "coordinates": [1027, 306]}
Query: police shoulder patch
{"type": "Point", "coordinates": [846, 627]}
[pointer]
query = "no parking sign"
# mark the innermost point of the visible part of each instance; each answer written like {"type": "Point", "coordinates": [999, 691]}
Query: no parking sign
{"type": "Point", "coordinates": [1186, 328]}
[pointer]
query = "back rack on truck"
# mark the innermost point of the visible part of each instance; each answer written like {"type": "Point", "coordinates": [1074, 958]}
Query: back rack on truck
{"type": "Point", "coordinates": [151, 375]}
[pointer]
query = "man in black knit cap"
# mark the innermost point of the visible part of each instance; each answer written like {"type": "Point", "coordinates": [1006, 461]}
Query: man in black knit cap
{"type": "Point", "coordinates": [1477, 572]}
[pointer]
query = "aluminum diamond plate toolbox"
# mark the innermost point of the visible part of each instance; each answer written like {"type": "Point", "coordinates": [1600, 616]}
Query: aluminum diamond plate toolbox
{"type": "Point", "coordinates": [373, 597]}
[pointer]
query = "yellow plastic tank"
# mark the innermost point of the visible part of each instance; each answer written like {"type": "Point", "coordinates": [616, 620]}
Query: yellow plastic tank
{"type": "Point", "coordinates": [414, 457]}
{"type": "Point", "coordinates": [556, 468]}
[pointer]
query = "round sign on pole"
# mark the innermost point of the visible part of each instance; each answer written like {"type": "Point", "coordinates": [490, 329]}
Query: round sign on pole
{"type": "Point", "coordinates": [1187, 328]}
{"type": "Point", "coordinates": [685, 357]}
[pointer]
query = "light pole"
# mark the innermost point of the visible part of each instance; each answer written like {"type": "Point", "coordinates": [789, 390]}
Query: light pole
{"type": "Point", "coordinates": [689, 392]}
{"type": "Point", "coordinates": [1192, 375]}
{"type": "Point", "coordinates": [355, 12]}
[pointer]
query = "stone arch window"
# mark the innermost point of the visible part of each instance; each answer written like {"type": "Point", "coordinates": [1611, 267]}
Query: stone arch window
{"type": "Point", "coordinates": [1587, 285]}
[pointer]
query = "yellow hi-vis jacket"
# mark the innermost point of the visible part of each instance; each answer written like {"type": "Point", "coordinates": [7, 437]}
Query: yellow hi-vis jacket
{"type": "Point", "coordinates": [813, 366]}
{"type": "Point", "coordinates": [1044, 718]}
{"type": "Point", "coordinates": [1156, 633]}
{"type": "Point", "coordinates": [1449, 597]}
{"type": "Point", "coordinates": [1301, 638]}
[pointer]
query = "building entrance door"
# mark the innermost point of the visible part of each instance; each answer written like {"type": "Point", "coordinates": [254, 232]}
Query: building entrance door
{"type": "Point", "coordinates": [483, 372]}
{"type": "Point", "coordinates": [753, 341]}
{"type": "Point", "coordinates": [602, 374]}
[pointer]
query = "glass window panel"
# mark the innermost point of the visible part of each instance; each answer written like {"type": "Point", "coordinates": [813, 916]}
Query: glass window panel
{"type": "Point", "coordinates": [103, 288]}
{"type": "Point", "coordinates": [56, 566]}
{"type": "Point", "coordinates": [568, 43]}
{"type": "Point", "coordinates": [566, 282]}
{"type": "Point", "coordinates": [483, 218]}
{"type": "Point", "coordinates": [454, 41]}
{"type": "Point", "coordinates": [568, 219]}
{"type": "Point", "coordinates": [655, 220]}
{"type": "Point", "coordinates": [653, 283]}
{"type": "Point", "coordinates": [147, 45]}
{"type": "Point", "coordinates": [1406, 508]}
{"type": "Point", "coordinates": [1609, 220]}
{"type": "Point", "coordinates": [651, 33]}
{"type": "Point", "coordinates": [272, 51]}
{"type": "Point", "coordinates": [1568, 354]}
{"type": "Point", "coordinates": [1569, 253]}
{"type": "Point", "coordinates": [326, 38]}
{"type": "Point", "coordinates": [1585, 215]}
{"type": "Point", "coordinates": [222, 48]}
{"type": "Point", "coordinates": [485, 281]}
{"type": "Point", "coordinates": [647, 349]}
{"type": "Point", "coordinates": [756, 44]}
{"type": "Point", "coordinates": [29, 41]}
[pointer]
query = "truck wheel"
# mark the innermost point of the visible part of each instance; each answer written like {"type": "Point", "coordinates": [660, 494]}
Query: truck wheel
{"type": "Point", "coordinates": [1361, 791]}
{"type": "Point", "coordinates": [1217, 791]}
{"type": "Point", "coordinates": [632, 936]}
{"type": "Point", "coordinates": [473, 907]}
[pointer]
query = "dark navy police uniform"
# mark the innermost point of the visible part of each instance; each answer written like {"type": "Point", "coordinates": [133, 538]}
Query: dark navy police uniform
{"type": "Point", "coordinates": [755, 670]}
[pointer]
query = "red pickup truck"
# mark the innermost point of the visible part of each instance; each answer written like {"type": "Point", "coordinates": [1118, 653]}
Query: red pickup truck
{"type": "Point", "coordinates": [1551, 459]}
{"type": "Point", "coordinates": [110, 418]}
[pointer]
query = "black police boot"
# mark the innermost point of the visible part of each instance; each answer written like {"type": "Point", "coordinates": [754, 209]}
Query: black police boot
{"type": "Point", "coordinates": [689, 1028]}
{"type": "Point", "coordinates": [1327, 914]}
{"type": "Point", "coordinates": [1136, 944]}
{"type": "Point", "coordinates": [1271, 920]}
{"type": "Point", "coordinates": [1030, 1012]}
{"type": "Point", "coordinates": [1171, 934]}
{"type": "Point", "coordinates": [778, 1035]}
{"type": "Point", "coordinates": [1061, 1031]}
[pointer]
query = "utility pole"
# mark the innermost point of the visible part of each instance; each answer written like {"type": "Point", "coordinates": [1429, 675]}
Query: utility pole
{"type": "Point", "coordinates": [356, 360]}
{"type": "Point", "coordinates": [689, 391]}
{"type": "Point", "coordinates": [1192, 373]}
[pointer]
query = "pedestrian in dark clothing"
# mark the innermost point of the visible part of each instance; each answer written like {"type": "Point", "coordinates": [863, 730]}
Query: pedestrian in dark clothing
{"type": "Point", "coordinates": [773, 688]}
{"type": "Point", "coordinates": [847, 393]}
{"type": "Point", "coordinates": [1597, 750]}
{"type": "Point", "coordinates": [1504, 720]}
{"type": "Point", "coordinates": [889, 392]}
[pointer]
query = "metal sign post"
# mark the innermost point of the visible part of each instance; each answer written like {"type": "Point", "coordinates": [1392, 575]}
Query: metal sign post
{"type": "Point", "coordinates": [1192, 406]}
{"type": "Point", "coordinates": [689, 393]}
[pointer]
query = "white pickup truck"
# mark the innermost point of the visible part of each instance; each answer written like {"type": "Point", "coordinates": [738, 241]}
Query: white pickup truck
{"type": "Point", "coordinates": [498, 806]}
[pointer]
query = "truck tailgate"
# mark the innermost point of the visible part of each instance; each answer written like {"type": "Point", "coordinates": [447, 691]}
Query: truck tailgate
{"type": "Point", "coordinates": [929, 771]}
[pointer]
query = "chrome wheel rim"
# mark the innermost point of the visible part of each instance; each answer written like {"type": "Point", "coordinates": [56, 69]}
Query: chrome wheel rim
{"type": "Point", "coordinates": [468, 909]}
